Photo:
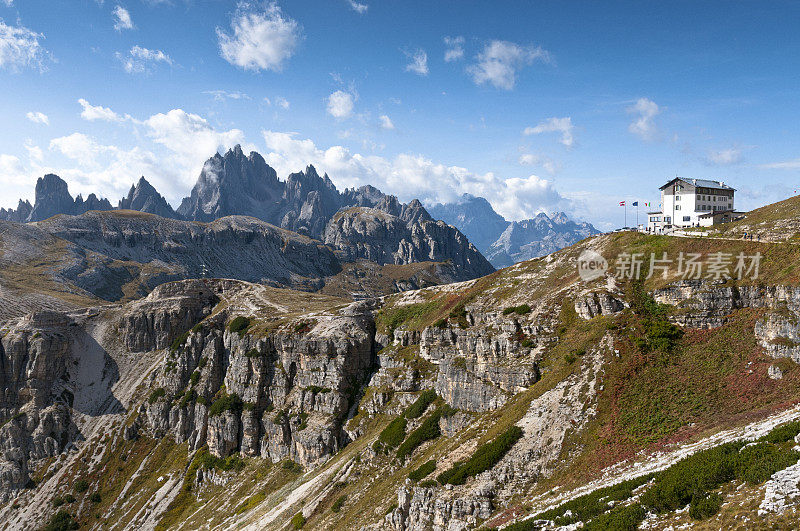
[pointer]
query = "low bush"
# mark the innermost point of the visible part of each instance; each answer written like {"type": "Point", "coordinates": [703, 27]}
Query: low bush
{"type": "Point", "coordinates": [179, 341]}
{"type": "Point", "coordinates": [522, 309]}
{"type": "Point", "coordinates": [61, 521]}
{"type": "Point", "coordinates": [69, 498]}
{"type": "Point", "coordinates": [440, 323]}
{"type": "Point", "coordinates": [756, 463]}
{"type": "Point", "coordinates": [417, 409]}
{"type": "Point", "coordinates": [339, 503]}
{"type": "Point", "coordinates": [428, 430]}
{"type": "Point", "coordinates": [156, 394]}
{"type": "Point", "coordinates": [298, 521]}
{"type": "Point", "coordinates": [485, 457]}
{"type": "Point", "coordinates": [625, 518]}
{"type": "Point", "coordinates": [80, 485]}
{"type": "Point", "coordinates": [188, 398]}
{"type": "Point", "coordinates": [585, 508]}
{"type": "Point", "coordinates": [239, 325]}
{"type": "Point", "coordinates": [782, 433]}
{"type": "Point", "coordinates": [422, 471]}
{"type": "Point", "coordinates": [95, 497]}
{"type": "Point", "coordinates": [58, 501]}
{"type": "Point", "coordinates": [226, 403]}
{"type": "Point", "coordinates": [704, 505]}
{"type": "Point", "coordinates": [393, 434]}
{"type": "Point", "coordinates": [292, 466]}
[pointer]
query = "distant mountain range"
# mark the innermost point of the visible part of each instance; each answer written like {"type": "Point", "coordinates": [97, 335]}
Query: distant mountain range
{"type": "Point", "coordinates": [505, 242]}
{"type": "Point", "coordinates": [359, 224]}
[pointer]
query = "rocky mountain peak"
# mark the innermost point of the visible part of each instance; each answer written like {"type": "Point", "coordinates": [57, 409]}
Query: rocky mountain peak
{"type": "Point", "coordinates": [53, 197]}
{"type": "Point", "coordinates": [145, 198]}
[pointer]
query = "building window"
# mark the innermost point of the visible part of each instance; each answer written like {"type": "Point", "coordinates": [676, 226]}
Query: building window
{"type": "Point", "coordinates": [677, 207]}
{"type": "Point", "coordinates": [677, 198]}
{"type": "Point", "coordinates": [687, 218]}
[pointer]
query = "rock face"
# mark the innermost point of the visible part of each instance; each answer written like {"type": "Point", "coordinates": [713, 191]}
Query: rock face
{"type": "Point", "coordinates": [19, 215]}
{"type": "Point", "coordinates": [53, 197]}
{"type": "Point", "coordinates": [376, 235]}
{"type": "Point", "coordinates": [144, 198]}
{"type": "Point", "coordinates": [505, 243]}
{"type": "Point", "coordinates": [234, 247]}
{"type": "Point", "coordinates": [291, 387]}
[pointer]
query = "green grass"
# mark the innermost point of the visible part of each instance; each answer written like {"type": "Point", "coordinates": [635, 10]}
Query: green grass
{"type": "Point", "coordinates": [422, 471]}
{"type": "Point", "coordinates": [389, 319]}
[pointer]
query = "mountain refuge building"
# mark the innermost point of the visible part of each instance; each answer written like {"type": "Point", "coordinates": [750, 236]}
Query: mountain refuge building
{"type": "Point", "coordinates": [693, 203]}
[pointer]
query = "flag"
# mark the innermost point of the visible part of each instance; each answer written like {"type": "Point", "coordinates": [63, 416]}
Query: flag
{"type": "Point", "coordinates": [647, 204]}
{"type": "Point", "coordinates": [635, 203]}
{"type": "Point", "coordinates": [622, 203]}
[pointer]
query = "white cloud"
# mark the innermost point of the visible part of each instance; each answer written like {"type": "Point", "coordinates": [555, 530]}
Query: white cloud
{"type": "Point", "coordinates": [20, 47]}
{"type": "Point", "coordinates": [122, 19]}
{"type": "Point", "coordinates": [499, 62]}
{"type": "Point", "coordinates": [358, 7]}
{"type": "Point", "coordinates": [548, 164]}
{"type": "Point", "coordinates": [35, 153]}
{"type": "Point", "coordinates": [262, 39]}
{"type": "Point", "coordinates": [78, 147]}
{"type": "Point", "coordinates": [455, 48]}
{"type": "Point", "coordinates": [386, 122]}
{"type": "Point", "coordinates": [793, 164]}
{"type": "Point", "coordinates": [414, 176]}
{"type": "Point", "coordinates": [93, 113]}
{"type": "Point", "coordinates": [340, 105]}
{"type": "Point", "coordinates": [222, 95]}
{"type": "Point", "coordinates": [725, 157]}
{"type": "Point", "coordinates": [419, 62]}
{"type": "Point", "coordinates": [38, 118]}
{"type": "Point", "coordinates": [555, 125]}
{"type": "Point", "coordinates": [140, 59]}
{"type": "Point", "coordinates": [282, 102]}
{"type": "Point", "coordinates": [644, 124]}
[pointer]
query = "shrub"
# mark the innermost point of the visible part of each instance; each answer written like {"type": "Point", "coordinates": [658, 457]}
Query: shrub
{"type": "Point", "coordinates": [61, 521]}
{"type": "Point", "coordinates": [485, 457]}
{"type": "Point", "coordinates": [226, 403]}
{"type": "Point", "coordinates": [188, 398]}
{"type": "Point", "coordinates": [69, 498]}
{"type": "Point", "coordinates": [253, 353]}
{"type": "Point", "coordinates": [427, 484]}
{"type": "Point", "coordinates": [704, 505]}
{"type": "Point", "coordinates": [198, 327]}
{"type": "Point", "coordinates": [423, 471]}
{"type": "Point", "coordinates": [758, 462]}
{"type": "Point", "coordinates": [80, 485]}
{"type": "Point", "coordinates": [292, 466]}
{"type": "Point", "coordinates": [58, 501]}
{"type": "Point", "coordinates": [659, 335]}
{"type": "Point", "coordinates": [339, 503]}
{"type": "Point", "coordinates": [417, 409]}
{"type": "Point", "coordinates": [239, 325]}
{"type": "Point", "coordinates": [201, 400]}
{"type": "Point", "coordinates": [393, 434]}
{"type": "Point", "coordinates": [202, 363]}
{"type": "Point", "coordinates": [570, 358]}
{"type": "Point", "coordinates": [302, 327]}
{"type": "Point", "coordinates": [156, 394]}
{"type": "Point", "coordinates": [428, 430]}
{"type": "Point", "coordinates": [626, 518]}
{"type": "Point", "coordinates": [440, 323]}
{"type": "Point", "coordinates": [459, 315]}
{"type": "Point", "coordinates": [179, 341]}
{"type": "Point", "coordinates": [782, 433]}
{"type": "Point", "coordinates": [298, 521]}
{"type": "Point", "coordinates": [194, 378]}
{"type": "Point", "coordinates": [588, 506]}
{"type": "Point", "coordinates": [527, 343]}
{"type": "Point", "coordinates": [95, 497]}
{"type": "Point", "coordinates": [522, 309]}
{"type": "Point", "coordinates": [699, 473]}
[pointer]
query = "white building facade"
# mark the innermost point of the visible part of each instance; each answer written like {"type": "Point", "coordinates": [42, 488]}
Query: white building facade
{"type": "Point", "coordinates": [692, 203]}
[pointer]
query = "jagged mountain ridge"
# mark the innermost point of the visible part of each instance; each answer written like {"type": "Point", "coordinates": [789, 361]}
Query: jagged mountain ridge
{"type": "Point", "coordinates": [503, 242]}
{"type": "Point", "coordinates": [235, 184]}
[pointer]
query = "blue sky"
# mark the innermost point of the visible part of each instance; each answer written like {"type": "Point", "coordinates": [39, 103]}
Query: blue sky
{"type": "Point", "coordinates": [538, 106]}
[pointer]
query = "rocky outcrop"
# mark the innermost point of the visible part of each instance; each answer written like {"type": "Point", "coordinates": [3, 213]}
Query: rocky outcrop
{"type": "Point", "coordinates": [144, 198]}
{"type": "Point", "coordinates": [376, 235]}
{"type": "Point", "coordinates": [19, 215]}
{"type": "Point", "coordinates": [286, 394]}
{"type": "Point", "coordinates": [53, 197]}
{"type": "Point", "coordinates": [592, 304]}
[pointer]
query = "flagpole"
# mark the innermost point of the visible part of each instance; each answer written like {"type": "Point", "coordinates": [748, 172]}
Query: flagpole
{"type": "Point", "coordinates": [625, 205]}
